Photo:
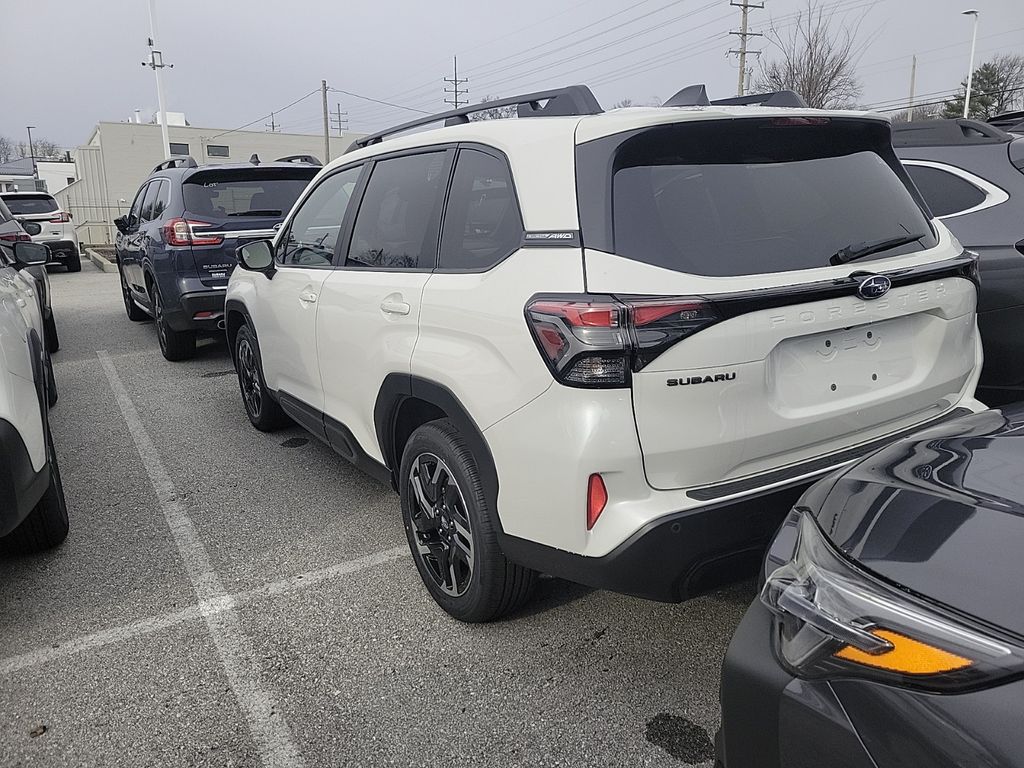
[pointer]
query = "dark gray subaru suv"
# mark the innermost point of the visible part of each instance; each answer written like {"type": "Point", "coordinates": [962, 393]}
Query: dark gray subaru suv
{"type": "Point", "coordinates": [176, 246]}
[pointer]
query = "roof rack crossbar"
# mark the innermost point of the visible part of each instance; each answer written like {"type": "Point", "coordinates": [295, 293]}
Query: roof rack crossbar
{"type": "Point", "coordinates": [303, 159]}
{"type": "Point", "coordinates": [178, 161]}
{"type": "Point", "coordinates": [559, 102]}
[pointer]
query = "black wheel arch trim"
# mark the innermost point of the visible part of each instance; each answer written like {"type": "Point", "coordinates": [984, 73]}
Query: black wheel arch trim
{"type": "Point", "coordinates": [396, 389]}
{"type": "Point", "coordinates": [234, 305]}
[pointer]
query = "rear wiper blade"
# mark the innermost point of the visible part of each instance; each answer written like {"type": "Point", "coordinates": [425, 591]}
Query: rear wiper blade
{"type": "Point", "coordinates": [267, 212]}
{"type": "Point", "coordinates": [856, 251]}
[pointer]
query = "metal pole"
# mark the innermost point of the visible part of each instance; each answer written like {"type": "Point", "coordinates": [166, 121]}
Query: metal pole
{"type": "Point", "coordinates": [32, 152]}
{"type": "Point", "coordinates": [156, 62]}
{"type": "Point", "coordinates": [970, 69]}
{"type": "Point", "coordinates": [913, 78]}
{"type": "Point", "coordinates": [743, 50]}
{"type": "Point", "coordinates": [327, 123]}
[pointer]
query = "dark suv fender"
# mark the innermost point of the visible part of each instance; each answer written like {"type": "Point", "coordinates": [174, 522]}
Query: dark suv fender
{"type": "Point", "coordinates": [406, 402]}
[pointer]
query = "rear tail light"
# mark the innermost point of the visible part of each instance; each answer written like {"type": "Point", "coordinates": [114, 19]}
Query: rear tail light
{"type": "Point", "coordinates": [597, 341]}
{"type": "Point", "coordinates": [182, 232]}
{"type": "Point", "coordinates": [61, 218]}
{"type": "Point", "coordinates": [597, 498]}
{"type": "Point", "coordinates": [15, 237]}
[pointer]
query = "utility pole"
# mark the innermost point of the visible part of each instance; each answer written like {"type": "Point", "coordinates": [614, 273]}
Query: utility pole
{"type": "Point", "coordinates": [156, 63]}
{"type": "Point", "coordinates": [970, 68]}
{"type": "Point", "coordinates": [913, 79]}
{"type": "Point", "coordinates": [341, 118]}
{"type": "Point", "coordinates": [327, 123]}
{"type": "Point", "coordinates": [32, 152]}
{"type": "Point", "coordinates": [271, 125]}
{"type": "Point", "coordinates": [743, 34]}
{"type": "Point", "coordinates": [455, 91]}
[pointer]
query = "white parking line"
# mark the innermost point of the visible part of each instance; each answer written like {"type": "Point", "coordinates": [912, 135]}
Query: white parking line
{"type": "Point", "coordinates": [229, 602]}
{"type": "Point", "coordinates": [263, 715]}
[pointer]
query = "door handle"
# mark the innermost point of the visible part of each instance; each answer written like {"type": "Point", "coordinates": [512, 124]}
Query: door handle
{"type": "Point", "coordinates": [391, 307]}
{"type": "Point", "coordinates": [307, 297]}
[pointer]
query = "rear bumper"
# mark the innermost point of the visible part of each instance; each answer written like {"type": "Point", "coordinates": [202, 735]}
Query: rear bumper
{"type": "Point", "coordinates": [183, 317]}
{"type": "Point", "coordinates": [59, 249]}
{"type": "Point", "coordinates": [678, 556]}
{"type": "Point", "coordinates": [21, 486]}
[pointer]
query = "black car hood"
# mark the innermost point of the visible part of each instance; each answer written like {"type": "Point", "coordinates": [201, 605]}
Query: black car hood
{"type": "Point", "coordinates": [942, 514]}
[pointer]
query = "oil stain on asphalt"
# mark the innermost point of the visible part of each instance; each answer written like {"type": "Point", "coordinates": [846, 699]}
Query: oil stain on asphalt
{"type": "Point", "coordinates": [294, 442]}
{"type": "Point", "coordinates": [681, 738]}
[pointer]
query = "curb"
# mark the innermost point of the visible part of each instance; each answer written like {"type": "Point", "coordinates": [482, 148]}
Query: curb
{"type": "Point", "coordinates": [101, 262]}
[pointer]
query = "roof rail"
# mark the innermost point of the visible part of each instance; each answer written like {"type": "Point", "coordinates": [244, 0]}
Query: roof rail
{"type": "Point", "coordinates": [178, 161]}
{"type": "Point", "coordinates": [946, 132]}
{"type": "Point", "coordinates": [559, 102]}
{"type": "Point", "coordinates": [697, 96]}
{"type": "Point", "coordinates": [303, 159]}
{"type": "Point", "coordinates": [1008, 121]}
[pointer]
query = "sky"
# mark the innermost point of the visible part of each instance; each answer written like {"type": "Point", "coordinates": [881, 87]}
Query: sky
{"type": "Point", "coordinates": [236, 61]}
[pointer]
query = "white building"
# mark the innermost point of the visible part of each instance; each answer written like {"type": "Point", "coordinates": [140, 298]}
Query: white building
{"type": "Point", "coordinates": [118, 157]}
{"type": "Point", "coordinates": [16, 175]}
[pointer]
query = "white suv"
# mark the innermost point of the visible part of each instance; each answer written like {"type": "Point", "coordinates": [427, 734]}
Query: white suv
{"type": "Point", "coordinates": [611, 347]}
{"type": "Point", "coordinates": [33, 514]}
{"type": "Point", "coordinates": [45, 222]}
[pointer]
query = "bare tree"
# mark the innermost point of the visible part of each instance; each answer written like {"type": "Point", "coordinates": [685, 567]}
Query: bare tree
{"type": "Point", "coordinates": [925, 112]}
{"type": "Point", "coordinates": [816, 57]}
{"type": "Point", "coordinates": [622, 103]}
{"type": "Point", "coordinates": [494, 114]}
{"type": "Point", "coordinates": [6, 149]}
{"type": "Point", "coordinates": [42, 149]}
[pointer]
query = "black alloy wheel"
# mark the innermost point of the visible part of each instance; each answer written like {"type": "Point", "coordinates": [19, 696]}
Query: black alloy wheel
{"type": "Point", "coordinates": [249, 380]}
{"type": "Point", "coordinates": [443, 530]}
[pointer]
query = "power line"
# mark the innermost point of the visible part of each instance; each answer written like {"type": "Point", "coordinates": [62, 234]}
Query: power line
{"type": "Point", "coordinates": [264, 117]}
{"type": "Point", "coordinates": [455, 91]}
{"type": "Point", "coordinates": [377, 101]}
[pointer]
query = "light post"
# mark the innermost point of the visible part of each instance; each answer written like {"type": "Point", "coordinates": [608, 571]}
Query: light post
{"type": "Point", "coordinates": [32, 152]}
{"type": "Point", "coordinates": [970, 69]}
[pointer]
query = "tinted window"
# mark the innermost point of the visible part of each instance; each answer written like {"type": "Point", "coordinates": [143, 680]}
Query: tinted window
{"type": "Point", "coordinates": [396, 225]}
{"type": "Point", "coordinates": [162, 198]}
{"type": "Point", "coordinates": [944, 192]}
{"type": "Point", "coordinates": [178, 149]}
{"type": "Point", "coordinates": [746, 196]}
{"type": "Point", "coordinates": [149, 204]}
{"type": "Point", "coordinates": [136, 210]}
{"type": "Point", "coordinates": [244, 193]}
{"type": "Point", "coordinates": [24, 205]}
{"type": "Point", "coordinates": [217, 150]}
{"type": "Point", "coordinates": [313, 232]}
{"type": "Point", "coordinates": [482, 223]}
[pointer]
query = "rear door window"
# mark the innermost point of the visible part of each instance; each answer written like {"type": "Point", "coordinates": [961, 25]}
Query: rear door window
{"type": "Point", "coordinates": [751, 196]}
{"type": "Point", "coordinates": [27, 205]}
{"type": "Point", "coordinates": [397, 223]}
{"type": "Point", "coordinates": [242, 192]}
{"type": "Point", "coordinates": [313, 232]}
{"type": "Point", "coordinates": [945, 193]}
{"type": "Point", "coordinates": [150, 203]}
{"type": "Point", "coordinates": [482, 223]}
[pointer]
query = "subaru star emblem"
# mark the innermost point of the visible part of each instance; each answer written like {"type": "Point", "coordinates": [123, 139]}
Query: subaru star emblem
{"type": "Point", "coordinates": [874, 287]}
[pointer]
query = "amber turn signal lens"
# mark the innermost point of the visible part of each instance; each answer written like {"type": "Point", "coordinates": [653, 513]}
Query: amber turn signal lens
{"type": "Point", "coordinates": [907, 656]}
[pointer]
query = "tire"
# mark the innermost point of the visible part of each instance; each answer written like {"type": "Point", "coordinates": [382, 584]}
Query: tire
{"type": "Point", "coordinates": [51, 383]}
{"type": "Point", "coordinates": [73, 261]}
{"type": "Point", "coordinates": [135, 313]}
{"type": "Point", "coordinates": [481, 584]}
{"type": "Point", "coordinates": [50, 332]}
{"type": "Point", "coordinates": [175, 345]}
{"type": "Point", "coordinates": [46, 526]}
{"type": "Point", "coordinates": [264, 411]}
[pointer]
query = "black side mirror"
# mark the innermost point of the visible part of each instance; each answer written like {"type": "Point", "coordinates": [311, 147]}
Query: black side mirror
{"type": "Point", "coordinates": [28, 254]}
{"type": "Point", "coordinates": [257, 256]}
{"type": "Point", "coordinates": [121, 222]}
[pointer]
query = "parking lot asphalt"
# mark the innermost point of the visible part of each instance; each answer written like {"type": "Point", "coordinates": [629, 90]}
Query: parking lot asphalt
{"type": "Point", "coordinates": [232, 598]}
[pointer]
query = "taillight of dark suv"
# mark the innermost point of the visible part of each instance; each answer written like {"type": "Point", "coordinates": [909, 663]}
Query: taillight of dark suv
{"type": "Point", "coordinates": [597, 341]}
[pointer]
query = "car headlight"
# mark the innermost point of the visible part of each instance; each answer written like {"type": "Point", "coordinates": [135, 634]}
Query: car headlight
{"type": "Point", "coordinates": [834, 619]}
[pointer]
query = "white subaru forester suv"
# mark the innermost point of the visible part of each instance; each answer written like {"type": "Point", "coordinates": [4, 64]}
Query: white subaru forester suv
{"type": "Point", "coordinates": [612, 347]}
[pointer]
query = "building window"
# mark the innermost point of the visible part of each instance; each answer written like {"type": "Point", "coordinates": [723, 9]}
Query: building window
{"type": "Point", "coordinates": [217, 150]}
{"type": "Point", "coordinates": [179, 149]}
{"type": "Point", "coordinates": [71, 180]}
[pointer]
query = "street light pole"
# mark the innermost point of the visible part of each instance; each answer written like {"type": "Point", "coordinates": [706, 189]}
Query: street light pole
{"type": "Point", "coordinates": [156, 63]}
{"type": "Point", "coordinates": [970, 69]}
{"type": "Point", "coordinates": [32, 152]}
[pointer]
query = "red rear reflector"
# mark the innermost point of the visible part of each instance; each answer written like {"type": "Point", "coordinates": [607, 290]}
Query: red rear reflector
{"type": "Point", "coordinates": [204, 315]}
{"type": "Point", "coordinates": [597, 497]}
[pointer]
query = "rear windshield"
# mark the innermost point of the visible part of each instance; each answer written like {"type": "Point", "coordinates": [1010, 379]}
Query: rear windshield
{"type": "Point", "coordinates": [752, 196]}
{"type": "Point", "coordinates": [243, 193]}
{"type": "Point", "coordinates": [25, 205]}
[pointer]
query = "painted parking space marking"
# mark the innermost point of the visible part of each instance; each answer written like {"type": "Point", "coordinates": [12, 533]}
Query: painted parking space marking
{"type": "Point", "coordinates": [259, 706]}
